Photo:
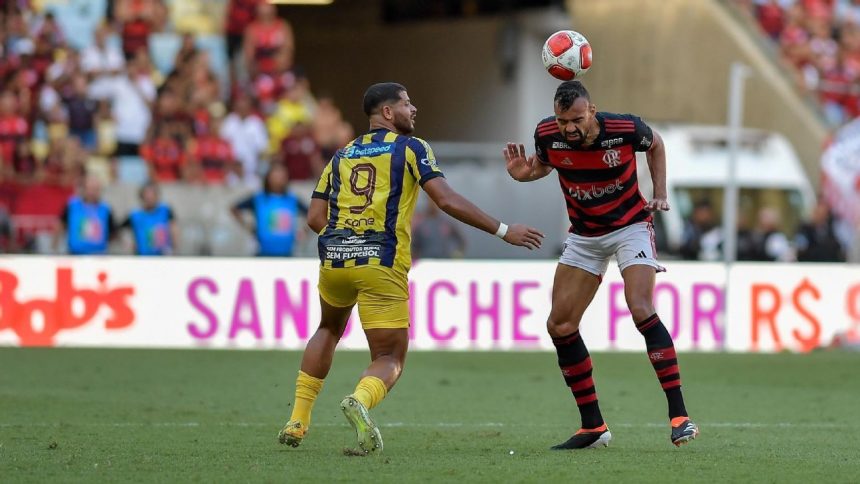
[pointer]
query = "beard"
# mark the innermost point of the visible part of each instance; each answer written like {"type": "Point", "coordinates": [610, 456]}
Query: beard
{"type": "Point", "coordinates": [404, 125]}
{"type": "Point", "coordinates": [577, 142]}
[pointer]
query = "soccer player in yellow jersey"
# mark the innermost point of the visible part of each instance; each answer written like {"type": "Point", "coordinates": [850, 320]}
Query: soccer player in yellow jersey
{"type": "Point", "coordinates": [362, 210]}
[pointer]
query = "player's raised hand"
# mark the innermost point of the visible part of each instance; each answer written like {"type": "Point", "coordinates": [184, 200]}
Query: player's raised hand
{"type": "Point", "coordinates": [657, 204]}
{"type": "Point", "coordinates": [523, 236]}
{"type": "Point", "coordinates": [519, 166]}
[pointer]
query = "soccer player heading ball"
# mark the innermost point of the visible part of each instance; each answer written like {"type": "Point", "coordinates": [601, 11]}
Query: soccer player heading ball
{"type": "Point", "coordinates": [594, 155]}
{"type": "Point", "coordinates": [362, 208]}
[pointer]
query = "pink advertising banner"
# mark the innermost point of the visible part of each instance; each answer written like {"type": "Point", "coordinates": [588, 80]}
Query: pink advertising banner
{"type": "Point", "coordinates": [455, 305]}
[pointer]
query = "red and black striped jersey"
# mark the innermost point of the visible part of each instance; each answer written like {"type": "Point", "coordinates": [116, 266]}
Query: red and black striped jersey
{"type": "Point", "coordinates": [598, 181]}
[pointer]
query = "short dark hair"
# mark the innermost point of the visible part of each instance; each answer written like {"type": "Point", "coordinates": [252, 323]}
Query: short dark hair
{"type": "Point", "coordinates": [381, 93]}
{"type": "Point", "coordinates": [147, 185]}
{"type": "Point", "coordinates": [703, 203]}
{"type": "Point", "coordinates": [568, 92]}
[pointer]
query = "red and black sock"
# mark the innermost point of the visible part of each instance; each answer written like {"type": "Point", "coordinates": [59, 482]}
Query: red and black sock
{"type": "Point", "coordinates": [575, 364]}
{"type": "Point", "coordinates": [661, 352]}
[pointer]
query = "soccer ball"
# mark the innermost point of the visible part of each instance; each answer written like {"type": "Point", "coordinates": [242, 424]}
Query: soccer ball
{"type": "Point", "coordinates": [566, 55]}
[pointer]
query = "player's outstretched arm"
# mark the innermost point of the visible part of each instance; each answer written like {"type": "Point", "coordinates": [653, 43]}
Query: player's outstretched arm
{"type": "Point", "coordinates": [656, 156]}
{"type": "Point", "coordinates": [467, 212]}
{"type": "Point", "coordinates": [522, 168]}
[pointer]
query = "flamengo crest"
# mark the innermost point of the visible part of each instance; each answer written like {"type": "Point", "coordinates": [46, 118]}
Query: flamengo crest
{"type": "Point", "coordinates": [612, 158]}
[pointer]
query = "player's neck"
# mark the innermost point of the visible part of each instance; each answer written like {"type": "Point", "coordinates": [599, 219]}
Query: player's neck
{"type": "Point", "coordinates": [376, 123]}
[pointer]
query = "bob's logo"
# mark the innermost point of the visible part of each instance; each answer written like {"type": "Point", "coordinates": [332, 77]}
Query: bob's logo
{"type": "Point", "coordinates": [71, 308]}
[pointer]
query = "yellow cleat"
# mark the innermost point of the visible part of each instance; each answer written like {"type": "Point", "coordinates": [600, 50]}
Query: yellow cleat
{"type": "Point", "coordinates": [367, 433]}
{"type": "Point", "coordinates": [292, 433]}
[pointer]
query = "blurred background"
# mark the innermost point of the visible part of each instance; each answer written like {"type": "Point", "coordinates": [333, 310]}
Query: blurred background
{"type": "Point", "coordinates": [201, 99]}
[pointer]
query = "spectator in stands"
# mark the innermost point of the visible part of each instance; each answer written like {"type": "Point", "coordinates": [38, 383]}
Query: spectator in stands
{"type": "Point", "coordinates": [131, 102]}
{"type": "Point", "coordinates": [290, 110]}
{"type": "Point", "coordinates": [266, 38]}
{"type": "Point", "coordinates": [65, 163]}
{"type": "Point", "coordinates": [14, 129]}
{"type": "Point", "coordinates": [240, 14]}
{"type": "Point", "coordinates": [202, 81]}
{"type": "Point", "coordinates": [153, 224]}
{"type": "Point", "coordinates": [187, 50]}
{"type": "Point", "coordinates": [211, 157]}
{"type": "Point", "coordinates": [50, 30]}
{"type": "Point", "coordinates": [103, 63]}
{"type": "Point", "coordinates": [816, 239]}
{"type": "Point", "coordinates": [770, 16]}
{"type": "Point", "coordinates": [702, 236]}
{"type": "Point", "coordinates": [247, 135]}
{"type": "Point", "coordinates": [17, 38]}
{"type": "Point", "coordinates": [25, 165]}
{"type": "Point", "coordinates": [81, 113]}
{"type": "Point", "coordinates": [87, 221]}
{"type": "Point", "coordinates": [165, 157]}
{"type": "Point", "coordinates": [7, 241]}
{"type": "Point", "coordinates": [43, 56]}
{"type": "Point", "coordinates": [330, 130]}
{"type": "Point", "coordinates": [170, 116]}
{"type": "Point", "coordinates": [819, 38]}
{"type": "Point", "coordinates": [137, 17]}
{"type": "Point", "coordinates": [276, 214]}
{"type": "Point", "coordinates": [66, 65]}
{"type": "Point", "coordinates": [771, 244]}
{"type": "Point", "coordinates": [436, 236]}
{"type": "Point", "coordinates": [300, 153]}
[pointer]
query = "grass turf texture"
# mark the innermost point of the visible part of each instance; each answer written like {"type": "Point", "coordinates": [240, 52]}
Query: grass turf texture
{"type": "Point", "coordinates": [138, 415]}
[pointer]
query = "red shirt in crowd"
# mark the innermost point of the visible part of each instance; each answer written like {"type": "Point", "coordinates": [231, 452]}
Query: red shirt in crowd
{"type": "Point", "coordinates": [267, 40]}
{"type": "Point", "coordinates": [300, 152]}
{"type": "Point", "coordinates": [215, 157]}
{"type": "Point", "coordinates": [13, 130]}
{"type": "Point", "coordinates": [771, 19]}
{"type": "Point", "coordinates": [165, 158]}
{"type": "Point", "coordinates": [240, 14]}
{"type": "Point", "coordinates": [135, 36]}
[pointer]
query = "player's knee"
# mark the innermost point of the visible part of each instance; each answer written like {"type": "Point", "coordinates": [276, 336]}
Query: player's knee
{"type": "Point", "coordinates": [641, 309]}
{"type": "Point", "coordinates": [558, 327]}
{"type": "Point", "coordinates": [394, 364]}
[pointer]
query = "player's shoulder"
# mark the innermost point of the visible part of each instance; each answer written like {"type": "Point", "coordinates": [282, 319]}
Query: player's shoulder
{"type": "Point", "coordinates": [619, 122]}
{"type": "Point", "coordinates": [546, 127]}
{"type": "Point", "coordinates": [418, 145]}
{"type": "Point", "coordinates": [607, 116]}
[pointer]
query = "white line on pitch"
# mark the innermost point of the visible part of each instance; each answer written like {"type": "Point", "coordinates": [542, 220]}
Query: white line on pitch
{"type": "Point", "coordinates": [808, 425]}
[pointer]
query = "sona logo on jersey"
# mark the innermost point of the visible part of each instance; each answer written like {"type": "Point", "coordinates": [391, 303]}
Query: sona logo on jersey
{"type": "Point", "coordinates": [358, 222]}
{"type": "Point", "coordinates": [593, 192]}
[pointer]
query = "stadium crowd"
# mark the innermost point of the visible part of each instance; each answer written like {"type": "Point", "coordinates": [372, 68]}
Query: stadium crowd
{"type": "Point", "coordinates": [73, 121]}
{"type": "Point", "coordinates": [106, 112]}
{"type": "Point", "coordinates": [820, 41]}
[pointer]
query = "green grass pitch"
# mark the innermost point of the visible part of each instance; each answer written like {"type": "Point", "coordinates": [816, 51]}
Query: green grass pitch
{"type": "Point", "coordinates": [199, 416]}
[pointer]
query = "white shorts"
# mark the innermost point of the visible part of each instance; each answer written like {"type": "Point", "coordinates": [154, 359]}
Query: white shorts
{"type": "Point", "coordinates": [631, 245]}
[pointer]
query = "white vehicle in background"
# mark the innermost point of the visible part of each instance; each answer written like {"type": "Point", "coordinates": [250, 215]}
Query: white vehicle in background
{"type": "Point", "coordinates": [769, 174]}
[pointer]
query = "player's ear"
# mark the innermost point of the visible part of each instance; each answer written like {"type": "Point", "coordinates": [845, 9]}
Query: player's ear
{"type": "Point", "coordinates": [592, 108]}
{"type": "Point", "coordinates": [387, 112]}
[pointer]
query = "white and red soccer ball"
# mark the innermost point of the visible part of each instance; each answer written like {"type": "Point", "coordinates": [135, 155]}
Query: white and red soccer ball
{"type": "Point", "coordinates": [566, 55]}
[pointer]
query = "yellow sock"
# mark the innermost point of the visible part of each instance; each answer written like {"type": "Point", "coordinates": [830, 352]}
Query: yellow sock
{"type": "Point", "coordinates": [307, 389]}
{"type": "Point", "coordinates": [370, 391]}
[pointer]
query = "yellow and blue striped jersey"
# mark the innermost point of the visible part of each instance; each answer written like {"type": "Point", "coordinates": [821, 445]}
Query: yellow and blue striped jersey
{"type": "Point", "coordinates": [371, 186]}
